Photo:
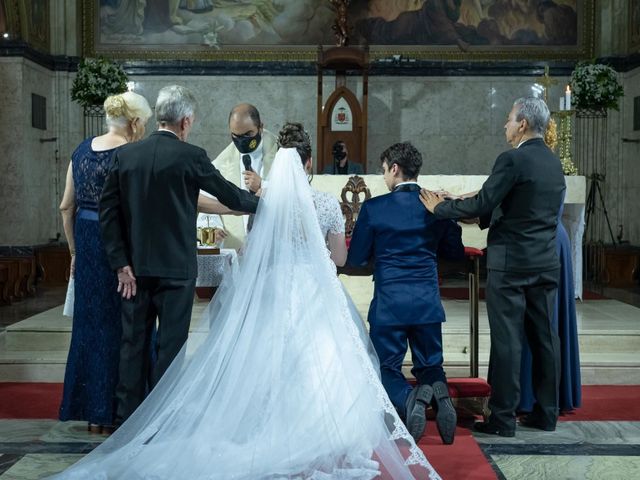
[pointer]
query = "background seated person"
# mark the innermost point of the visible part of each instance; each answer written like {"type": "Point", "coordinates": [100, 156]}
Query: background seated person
{"type": "Point", "coordinates": [341, 164]}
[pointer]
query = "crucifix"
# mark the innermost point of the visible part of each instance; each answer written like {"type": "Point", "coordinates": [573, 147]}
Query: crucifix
{"type": "Point", "coordinates": [546, 81]}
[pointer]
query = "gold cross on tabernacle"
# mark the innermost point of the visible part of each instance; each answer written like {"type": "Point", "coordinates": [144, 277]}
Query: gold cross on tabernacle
{"type": "Point", "coordinates": [546, 81]}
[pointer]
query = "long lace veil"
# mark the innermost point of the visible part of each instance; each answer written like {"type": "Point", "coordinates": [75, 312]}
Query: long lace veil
{"type": "Point", "coordinates": [282, 386]}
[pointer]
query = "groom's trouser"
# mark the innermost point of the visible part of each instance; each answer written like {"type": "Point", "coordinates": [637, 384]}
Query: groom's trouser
{"type": "Point", "coordinates": [171, 301]}
{"type": "Point", "coordinates": [390, 342]}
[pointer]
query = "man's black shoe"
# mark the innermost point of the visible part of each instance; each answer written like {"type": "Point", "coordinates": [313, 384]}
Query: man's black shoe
{"type": "Point", "coordinates": [446, 416]}
{"type": "Point", "coordinates": [492, 429]}
{"type": "Point", "coordinates": [531, 421]}
{"type": "Point", "coordinates": [417, 403]}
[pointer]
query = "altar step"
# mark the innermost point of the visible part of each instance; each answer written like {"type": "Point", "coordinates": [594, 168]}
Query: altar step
{"type": "Point", "coordinates": [35, 350]}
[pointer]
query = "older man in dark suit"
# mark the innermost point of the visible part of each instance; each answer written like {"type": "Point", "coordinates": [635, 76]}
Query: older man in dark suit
{"type": "Point", "coordinates": [404, 242]}
{"type": "Point", "coordinates": [519, 202]}
{"type": "Point", "coordinates": [148, 219]}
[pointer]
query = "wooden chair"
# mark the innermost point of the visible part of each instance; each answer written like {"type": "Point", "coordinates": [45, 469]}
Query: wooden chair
{"type": "Point", "coordinates": [355, 187]}
{"type": "Point", "coordinates": [350, 205]}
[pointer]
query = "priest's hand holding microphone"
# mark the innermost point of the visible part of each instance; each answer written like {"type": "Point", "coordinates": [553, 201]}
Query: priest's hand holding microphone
{"type": "Point", "coordinates": [251, 179]}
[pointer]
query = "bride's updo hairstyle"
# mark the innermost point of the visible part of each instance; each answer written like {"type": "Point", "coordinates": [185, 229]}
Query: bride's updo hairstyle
{"type": "Point", "coordinates": [293, 135]}
{"type": "Point", "coordinates": [122, 109]}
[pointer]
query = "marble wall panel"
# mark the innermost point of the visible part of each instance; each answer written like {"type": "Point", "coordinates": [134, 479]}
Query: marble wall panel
{"type": "Point", "coordinates": [456, 122]}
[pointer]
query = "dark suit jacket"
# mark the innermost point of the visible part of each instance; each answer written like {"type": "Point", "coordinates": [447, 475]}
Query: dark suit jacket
{"type": "Point", "coordinates": [521, 197]}
{"type": "Point", "coordinates": [404, 241]}
{"type": "Point", "coordinates": [149, 203]}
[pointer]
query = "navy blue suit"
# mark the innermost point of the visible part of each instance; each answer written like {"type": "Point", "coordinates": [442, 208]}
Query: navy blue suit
{"type": "Point", "coordinates": [404, 241]}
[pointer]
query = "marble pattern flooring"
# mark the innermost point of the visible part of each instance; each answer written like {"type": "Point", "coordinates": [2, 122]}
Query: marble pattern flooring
{"type": "Point", "coordinates": [602, 450]}
{"type": "Point", "coordinates": [598, 450]}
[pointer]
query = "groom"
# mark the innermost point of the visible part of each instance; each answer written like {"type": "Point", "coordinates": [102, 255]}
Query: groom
{"type": "Point", "coordinates": [148, 218]}
{"type": "Point", "coordinates": [404, 243]}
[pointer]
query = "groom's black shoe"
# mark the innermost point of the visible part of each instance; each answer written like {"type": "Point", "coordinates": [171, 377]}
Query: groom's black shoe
{"type": "Point", "coordinates": [417, 403]}
{"type": "Point", "coordinates": [446, 416]}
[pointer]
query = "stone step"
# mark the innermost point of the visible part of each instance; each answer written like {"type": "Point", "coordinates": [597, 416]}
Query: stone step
{"type": "Point", "coordinates": [596, 368]}
{"type": "Point", "coordinates": [36, 348]}
{"type": "Point", "coordinates": [51, 331]}
{"type": "Point", "coordinates": [455, 341]}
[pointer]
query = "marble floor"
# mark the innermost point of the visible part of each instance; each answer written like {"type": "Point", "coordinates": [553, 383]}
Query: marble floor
{"type": "Point", "coordinates": [609, 341]}
{"type": "Point", "coordinates": [34, 449]}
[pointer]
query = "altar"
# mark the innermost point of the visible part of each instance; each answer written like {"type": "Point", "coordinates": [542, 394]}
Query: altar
{"type": "Point", "coordinates": [472, 236]}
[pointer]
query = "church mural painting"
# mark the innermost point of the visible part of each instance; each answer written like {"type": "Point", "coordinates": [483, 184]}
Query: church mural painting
{"type": "Point", "coordinates": [292, 29]}
{"type": "Point", "coordinates": [36, 28]}
{"type": "Point", "coordinates": [4, 23]}
{"type": "Point", "coordinates": [634, 24]}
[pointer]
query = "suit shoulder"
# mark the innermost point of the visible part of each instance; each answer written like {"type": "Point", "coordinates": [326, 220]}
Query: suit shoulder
{"type": "Point", "coordinates": [376, 201]}
{"type": "Point", "coordinates": [194, 149]}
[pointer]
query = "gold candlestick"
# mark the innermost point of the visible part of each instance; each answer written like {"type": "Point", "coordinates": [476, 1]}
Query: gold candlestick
{"type": "Point", "coordinates": [564, 141]}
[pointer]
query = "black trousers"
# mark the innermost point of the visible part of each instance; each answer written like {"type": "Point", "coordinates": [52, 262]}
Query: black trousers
{"type": "Point", "coordinates": [520, 308]}
{"type": "Point", "coordinates": [171, 302]}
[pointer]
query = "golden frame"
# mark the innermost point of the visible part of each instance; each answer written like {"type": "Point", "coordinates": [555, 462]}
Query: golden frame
{"type": "Point", "coordinates": [584, 49]}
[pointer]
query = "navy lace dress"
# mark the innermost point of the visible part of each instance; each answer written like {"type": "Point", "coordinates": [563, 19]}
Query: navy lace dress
{"type": "Point", "coordinates": [564, 322]}
{"type": "Point", "coordinates": [92, 365]}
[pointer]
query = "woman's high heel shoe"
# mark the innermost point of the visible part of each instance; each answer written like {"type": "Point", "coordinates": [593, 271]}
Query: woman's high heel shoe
{"type": "Point", "coordinates": [94, 428]}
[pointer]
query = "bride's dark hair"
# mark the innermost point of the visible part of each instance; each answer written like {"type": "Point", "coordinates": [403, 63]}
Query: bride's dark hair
{"type": "Point", "coordinates": [293, 135]}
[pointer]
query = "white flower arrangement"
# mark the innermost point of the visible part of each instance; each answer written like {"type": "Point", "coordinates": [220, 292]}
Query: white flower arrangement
{"type": "Point", "coordinates": [595, 86]}
{"type": "Point", "coordinates": [97, 79]}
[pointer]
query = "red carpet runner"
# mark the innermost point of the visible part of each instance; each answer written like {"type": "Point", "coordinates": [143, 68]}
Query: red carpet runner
{"type": "Point", "coordinates": [462, 460]}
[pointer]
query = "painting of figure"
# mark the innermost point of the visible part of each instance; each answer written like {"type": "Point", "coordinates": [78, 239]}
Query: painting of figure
{"type": "Point", "coordinates": [215, 23]}
{"type": "Point", "coordinates": [466, 22]}
{"type": "Point", "coordinates": [213, 28]}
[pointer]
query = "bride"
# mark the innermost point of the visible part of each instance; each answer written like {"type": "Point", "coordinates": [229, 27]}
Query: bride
{"type": "Point", "coordinates": [285, 385]}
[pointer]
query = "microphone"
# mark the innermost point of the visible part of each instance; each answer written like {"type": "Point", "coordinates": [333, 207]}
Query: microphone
{"type": "Point", "coordinates": [246, 161]}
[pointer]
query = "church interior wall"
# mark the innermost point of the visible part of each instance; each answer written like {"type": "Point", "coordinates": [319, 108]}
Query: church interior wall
{"type": "Point", "coordinates": [28, 214]}
{"type": "Point", "coordinates": [630, 159]}
{"type": "Point", "coordinates": [456, 122]}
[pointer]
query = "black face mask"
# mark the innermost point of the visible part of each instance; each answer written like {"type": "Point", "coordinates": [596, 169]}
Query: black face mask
{"type": "Point", "coordinates": [246, 144]}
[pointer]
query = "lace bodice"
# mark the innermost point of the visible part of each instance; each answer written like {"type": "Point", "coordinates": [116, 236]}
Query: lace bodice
{"type": "Point", "coordinates": [329, 213]}
{"type": "Point", "coordinates": [90, 170]}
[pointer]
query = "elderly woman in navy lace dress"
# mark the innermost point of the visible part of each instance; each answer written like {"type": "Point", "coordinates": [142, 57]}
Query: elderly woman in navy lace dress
{"type": "Point", "coordinates": [91, 374]}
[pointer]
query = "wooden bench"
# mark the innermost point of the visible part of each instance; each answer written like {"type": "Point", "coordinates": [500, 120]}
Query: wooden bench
{"type": "Point", "coordinates": [21, 274]}
{"type": "Point", "coordinates": [4, 280]}
{"type": "Point", "coordinates": [54, 262]}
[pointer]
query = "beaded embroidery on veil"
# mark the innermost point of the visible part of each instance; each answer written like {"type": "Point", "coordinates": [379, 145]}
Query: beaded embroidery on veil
{"type": "Point", "coordinates": [283, 386]}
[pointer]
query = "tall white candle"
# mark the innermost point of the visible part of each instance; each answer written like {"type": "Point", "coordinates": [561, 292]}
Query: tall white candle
{"type": "Point", "coordinates": [567, 98]}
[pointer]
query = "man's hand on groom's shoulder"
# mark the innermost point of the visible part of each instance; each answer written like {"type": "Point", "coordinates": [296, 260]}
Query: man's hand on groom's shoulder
{"type": "Point", "coordinates": [430, 199]}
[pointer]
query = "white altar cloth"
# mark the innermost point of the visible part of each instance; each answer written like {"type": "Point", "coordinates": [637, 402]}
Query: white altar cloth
{"type": "Point", "coordinates": [211, 268]}
{"type": "Point", "coordinates": [472, 236]}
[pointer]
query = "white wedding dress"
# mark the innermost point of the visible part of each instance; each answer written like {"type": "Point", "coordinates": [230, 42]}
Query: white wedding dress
{"type": "Point", "coordinates": [285, 386]}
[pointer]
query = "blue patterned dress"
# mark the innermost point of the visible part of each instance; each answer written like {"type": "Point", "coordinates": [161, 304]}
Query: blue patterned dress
{"type": "Point", "coordinates": [92, 366]}
{"type": "Point", "coordinates": [564, 322]}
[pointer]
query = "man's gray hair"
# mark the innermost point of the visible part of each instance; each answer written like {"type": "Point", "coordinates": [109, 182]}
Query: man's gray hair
{"type": "Point", "coordinates": [534, 111]}
{"type": "Point", "coordinates": [173, 104]}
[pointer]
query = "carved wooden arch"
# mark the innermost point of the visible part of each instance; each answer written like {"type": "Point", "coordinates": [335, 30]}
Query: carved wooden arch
{"type": "Point", "coordinates": [355, 139]}
{"type": "Point", "coordinates": [351, 207]}
{"type": "Point", "coordinates": [351, 99]}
